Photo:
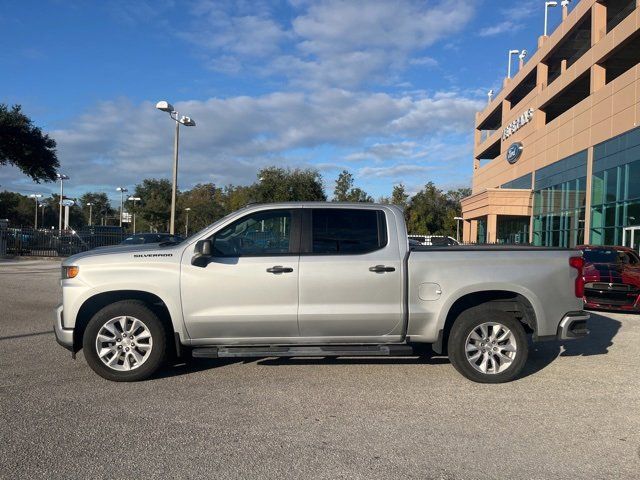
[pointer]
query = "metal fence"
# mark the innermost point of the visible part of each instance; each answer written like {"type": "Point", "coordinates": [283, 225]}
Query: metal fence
{"type": "Point", "coordinates": [52, 243]}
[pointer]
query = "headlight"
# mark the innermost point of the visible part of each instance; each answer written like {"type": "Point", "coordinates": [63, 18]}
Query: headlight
{"type": "Point", "coordinates": [70, 272]}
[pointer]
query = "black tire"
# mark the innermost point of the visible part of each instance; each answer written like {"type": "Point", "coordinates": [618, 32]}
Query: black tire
{"type": "Point", "coordinates": [129, 308]}
{"type": "Point", "coordinates": [466, 322]}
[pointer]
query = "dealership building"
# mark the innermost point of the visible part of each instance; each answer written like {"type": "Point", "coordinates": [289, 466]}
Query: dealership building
{"type": "Point", "coordinates": [557, 150]}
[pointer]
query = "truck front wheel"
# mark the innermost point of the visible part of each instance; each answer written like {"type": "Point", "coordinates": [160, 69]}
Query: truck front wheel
{"type": "Point", "coordinates": [125, 342]}
{"type": "Point", "coordinates": [487, 345]}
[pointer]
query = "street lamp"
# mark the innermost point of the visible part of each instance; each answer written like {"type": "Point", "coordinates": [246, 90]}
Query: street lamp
{"type": "Point", "coordinates": [458, 219]}
{"type": "Point", "coordinates": [134, 200]}
{"type": "Point", "coordinates": [511, 54]}
{"type": "Point", "coordinates": [122, 191]}
{"type": "Point", "coordinates": [62, 177]}
{"type": "Point", "coordinates": [186, 227]}
{"type": "Point", "coordinates": [546, 14]}
{"type": "Point", "coordinates": [35, 196]}
{"type": "Point", "coordinates": [187, 122]}
{"type": "Point", "coordinates": [90, 205]}
{"type": "Point", "coordinates": [42, 205]}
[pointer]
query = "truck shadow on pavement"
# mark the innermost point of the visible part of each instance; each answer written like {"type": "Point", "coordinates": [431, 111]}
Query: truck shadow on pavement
{"type": "Point", "coordinates": [603, 330]}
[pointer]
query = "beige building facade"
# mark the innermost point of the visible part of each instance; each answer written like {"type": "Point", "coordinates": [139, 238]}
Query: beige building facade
{"type": "Point", "coordinates": [557, 150]}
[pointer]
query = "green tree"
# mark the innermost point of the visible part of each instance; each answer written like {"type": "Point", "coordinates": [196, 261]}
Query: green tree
{"type": "Point", "coordinates": [277, 184]}
{"type": "Point", "coordinates": [23, 145]}
{"type": "Point", "coordinates": [155, 204]}
{"type": "Point", "coordinates": [399, 196]}
{"type": "Point", "coordinates": [427, 212]}
{"type": "Point", "coordinates": [344, 183]}
{"type": "Point", "coordinates": [100, 209]}
{"type": "Point", "coordinates": [344, 190]}
{"type": "Point", "coordinates": [207, 205]}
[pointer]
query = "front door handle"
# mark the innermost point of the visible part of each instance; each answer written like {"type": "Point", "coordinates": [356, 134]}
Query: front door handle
{"type": "Point", "coordinates": [280, 269]}
{"type": "Point", "coordinates": [381, 269]}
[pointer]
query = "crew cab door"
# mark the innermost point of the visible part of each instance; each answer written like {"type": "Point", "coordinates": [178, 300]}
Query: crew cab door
{"type": "Point", "coordinates": [351, 276]}
{"type": "Point", "coordinates": [249, 286]}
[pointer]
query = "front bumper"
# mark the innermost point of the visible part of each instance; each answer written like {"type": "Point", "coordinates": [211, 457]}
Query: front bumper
{"type": "Point", "coordinates": [64, 336]}
{"type": "Point", "coordinates": [573, 325]}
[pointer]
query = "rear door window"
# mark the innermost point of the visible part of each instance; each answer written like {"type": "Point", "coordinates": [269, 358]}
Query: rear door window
{"type": "Point", "coordinates": [340, 231]}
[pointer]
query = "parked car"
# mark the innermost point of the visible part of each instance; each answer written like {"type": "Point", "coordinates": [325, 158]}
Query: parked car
{"type": "Point", "coordinates": [438, 240]}
{"type": "Point", "coordinates": [612, 278]}
{"type": "Point", "coordinates": [339, 281]}
{"type": "Point", "coordinates": [143, 238]}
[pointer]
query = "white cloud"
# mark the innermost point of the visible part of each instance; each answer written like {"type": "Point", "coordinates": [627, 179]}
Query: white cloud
{"type": "Point", "coordinates": [395, 172]}
{"type": "Point", "coordinates": [333, 43]}
{"type": "Point", "coordinates": [236, 136]}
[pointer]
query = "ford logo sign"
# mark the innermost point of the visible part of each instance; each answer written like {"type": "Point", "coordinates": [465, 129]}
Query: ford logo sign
{"type": "Point", "coordinates": [514, 152]}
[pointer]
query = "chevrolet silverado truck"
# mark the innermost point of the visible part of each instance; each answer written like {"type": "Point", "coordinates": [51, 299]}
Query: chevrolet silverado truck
{"type": "Point", "coordinates": [316, 279]}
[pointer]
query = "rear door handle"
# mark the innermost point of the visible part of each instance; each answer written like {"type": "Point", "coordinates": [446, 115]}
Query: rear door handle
{"type": "Point", "coordinates": [280, 269]}
{"type": "Point", "coordinates": [381, 269]}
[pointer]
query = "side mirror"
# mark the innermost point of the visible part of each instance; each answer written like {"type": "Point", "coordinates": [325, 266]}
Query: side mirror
{"type": "Point", "coordinates": [202, 253]}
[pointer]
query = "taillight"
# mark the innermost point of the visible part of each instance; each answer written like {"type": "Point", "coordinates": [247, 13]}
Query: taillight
{"type": "Point", "coordinates": [578, 264]}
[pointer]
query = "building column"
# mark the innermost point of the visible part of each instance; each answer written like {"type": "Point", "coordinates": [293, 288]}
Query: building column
{"type": "Point", "coordinates": [492, 228]}
{"type": "Point", "coordinates": [473, 231]}
{"type": "Point", "coordinates": [598, 22]}
{"type": "Point", "coordinates": [466, 231]}
{"type": "Point", "coordinates": [542, 76]}
{"type": "Point", "coordinates": [587, 201]}
{"type": "Point", "coordinates": [506, 108]}
{"type": "Point", "coordinates": [598, 77]}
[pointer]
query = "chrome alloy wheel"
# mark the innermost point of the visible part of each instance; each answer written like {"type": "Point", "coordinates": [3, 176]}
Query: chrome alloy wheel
{"type": "Point", "coordinates": [491, 348]}
{"type": "Point", "coordinates": [124, 343]}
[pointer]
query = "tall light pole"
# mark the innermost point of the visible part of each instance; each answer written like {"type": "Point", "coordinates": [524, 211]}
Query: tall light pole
{"type": "Point", "coordinates": [90, 205]}
{"type": "Point", "coordinates": [62, 177]}
{"type": "Point", "coordinates": [187, 122]}
{"type": "Point", "coordinates": [458, 219]}
{"type": "Point", "coordinates": [42, 205]}
{"type": "Point", "coordinates": [186, 227]}
{"type": "Point", "coordinates": [511, 54]}
{"type": "Point", "coordinates": [122, 191]}
{"type": "Point", "coordinates": [547, 5]}
{"type": "Point", "coordinates": [35, 196]}
{"type": "Point", "coordinates": [134, 200]}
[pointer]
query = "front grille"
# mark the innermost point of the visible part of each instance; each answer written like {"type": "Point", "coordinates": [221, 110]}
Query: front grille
{"type": "Point", "coordinates": [615, 287]}
{"type": "Point", "coordinates": [617, 294]}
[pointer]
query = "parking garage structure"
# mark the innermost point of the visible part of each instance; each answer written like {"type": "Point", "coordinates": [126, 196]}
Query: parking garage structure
{"type": "Point", "coordinates": [557, 150]}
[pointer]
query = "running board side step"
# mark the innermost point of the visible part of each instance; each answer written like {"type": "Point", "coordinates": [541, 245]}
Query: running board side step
{"type": "Point", "coordinates": [304, 351]}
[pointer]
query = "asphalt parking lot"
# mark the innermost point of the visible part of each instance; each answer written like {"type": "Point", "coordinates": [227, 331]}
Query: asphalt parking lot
{"type": "Point", "coordinates": [574, 414]}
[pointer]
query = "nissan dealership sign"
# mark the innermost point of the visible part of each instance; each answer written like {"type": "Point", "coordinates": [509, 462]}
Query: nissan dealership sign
{"type": "Point", "coordinates": [517, 124]}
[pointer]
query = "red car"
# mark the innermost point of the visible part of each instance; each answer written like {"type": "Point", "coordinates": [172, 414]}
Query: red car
{"type": "Point", "coordinates": [612, 278]}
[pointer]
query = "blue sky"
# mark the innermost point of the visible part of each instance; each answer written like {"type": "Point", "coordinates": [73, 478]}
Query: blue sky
{"type": "Point", "coordinates": [385, 89]}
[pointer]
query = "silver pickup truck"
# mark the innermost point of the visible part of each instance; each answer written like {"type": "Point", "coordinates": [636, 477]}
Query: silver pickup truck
{"type": "Point", "coordinates": [316, 279]}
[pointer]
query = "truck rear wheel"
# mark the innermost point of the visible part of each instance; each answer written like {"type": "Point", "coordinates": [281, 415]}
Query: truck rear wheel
{"type": "Point", "coordinates": [125, 342]}
{"type": "Point", "coordinates": [487, 345]}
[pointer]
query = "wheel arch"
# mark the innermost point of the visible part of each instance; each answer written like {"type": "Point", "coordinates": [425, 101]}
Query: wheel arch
{"type": "Point", "coordinates": [514, 303]}
{"type": "Point", "coordinates": [95, 303]}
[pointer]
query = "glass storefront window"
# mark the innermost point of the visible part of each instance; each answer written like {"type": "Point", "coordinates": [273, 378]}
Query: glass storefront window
{"type": "Point", "coordinates": [561, 223]}
{"type": "Point", "coordinates": [619, 206]}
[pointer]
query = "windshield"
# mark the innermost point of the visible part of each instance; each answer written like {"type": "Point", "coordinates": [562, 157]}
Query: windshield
{"type": "Point", "coordinates": [601, 256]}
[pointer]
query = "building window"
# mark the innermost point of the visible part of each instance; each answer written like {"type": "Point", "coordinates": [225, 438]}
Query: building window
{"type": "Point", "coordinates": [482, 230]}
{"type": "Point", "coordinates": [559, 210]}
{"type": "Point", "coordinates": [559, 202]}
{"type": "Point", "coordinates": [623, 58]}
{"type": "Point", "coordinates": [492, 123]}
{"type": "Point", "coordinates": [618, 10]}
{"type": "Point", "coordinates": [568, 98]}
{"type": "Point", "coordinates": [571, 48]}
{"type": "Point", "coordinates": [523, 182]}
{"type": "Point", "coordinates": [513, 229]}
{"type": "Point", "coordinates": [615, 188]}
